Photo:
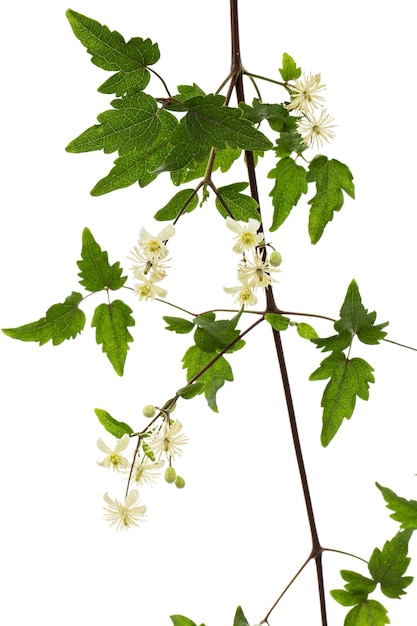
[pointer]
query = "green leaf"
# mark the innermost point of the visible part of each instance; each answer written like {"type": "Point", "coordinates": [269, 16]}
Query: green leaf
{"type": "Point", "coordinates": [110, 52]}
{"type": "Point", "coordinates": [405, 511]}
{"type": "Point", "coordinates": [368, 613]}
{"type": "Point", "coordinates": [178, 325]}
{"type": "Point", "coordinates": [290, 184]}
{"type": "Point", "coordinates": [62, 321]}
{"type": "Point", "coordinates": [212, 335]}
{"type": "Point", "coordinates": [279, 322]}
{"type": "Point", "coordinates": [331, 178]}
{"type": "Point", "coordinates": [355, 319]}
{"type": "Point", "coordinates": [180, 620]}
{"type": "Point", "coordinates": [190, 391]}
{"type": "Point", "coordinates": [241, 206]}
{"type": "Point", "coordinates": [289, 70]}
{"type": "Point", "coordinates": [195, 360]}
{"type": "Point", "coordinates": [306, 331]}
{"type": "Point", "coordinates": [388, 565]}
{"type": "Point", "coordinates": [240, 619]}
{"type": "Point", "coordinates": [141, 164]}
{"type": "Point", "coordinates": [113, 426]}
{"type": "Point", "coordinates": [111, 322]}
{"type": "Point", "coordinates": [349, 378]}
{"type": "Point", "coordinates": [357, 588]}
{"type": "Point", "coordinates": [277, 115]}
{"type": "Point", "coordinates": [186, 150]}
{"type": "Point", "coordinates": [184, 198]}
{"type": "Point", "coordinates": [289, 142]}
{"type": "Point", "coordinates": [96, 273]}
{"type": "Point", "coordinates": [132, 123]}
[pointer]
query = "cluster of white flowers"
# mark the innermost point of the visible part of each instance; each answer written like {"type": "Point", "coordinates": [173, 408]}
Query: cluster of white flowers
{"type": "Point", "coordinates": [255, 269]}
{"type": "Point", "coordinates": [165, 441]}
{"type": "Point", "coordinates": [149, 257]}
{"type": "Point", "coordinates": [305, 97]}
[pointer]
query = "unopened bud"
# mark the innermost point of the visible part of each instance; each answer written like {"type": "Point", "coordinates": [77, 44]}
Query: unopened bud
{"type": "Point", "coordinates": [275, 259]}
{"type": "Point", "coordinates": [180, 482]}
{"type": "Point", "coordinates": [149, 410]}
{"type": "Point", "coordinates": [170, 474]}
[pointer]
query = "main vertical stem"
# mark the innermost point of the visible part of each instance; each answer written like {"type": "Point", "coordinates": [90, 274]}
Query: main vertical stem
{"type": "Point", "coordinates": [316, 552]}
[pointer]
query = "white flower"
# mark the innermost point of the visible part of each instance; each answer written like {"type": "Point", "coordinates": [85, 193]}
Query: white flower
{"type": "Point", "coordinates": [256, 273]}
{"type": "Point", "coordinates": [114, 458]}
{"type": "Point", "coordinates": [315, 131]}
{"type": "Point", "coordinates": [155, 267]}
{"type": "Point", "coordinates": [146, 471]}
{"type": "Point", "coordinates": [168, 441]}
{"type": "Point", "coordinates": [247, 236]}
{"type": "Point", "coordinates": [154, 248]}
{"type": "Point", "coordinates": [124, 515]}
{"type": "Point", "coordinates": [244, 294]}
{"type": "Point", "coordinates": [304, 96]}
{"type": "Point", "coordinates": [148, 290]}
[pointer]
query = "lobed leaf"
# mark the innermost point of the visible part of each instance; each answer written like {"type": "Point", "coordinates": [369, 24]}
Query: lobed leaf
{"type": "Point", "coordinates": [290, 184]}
{"type": "Point", "coordinates": [355, 319]}
{"type": "Point", "coordinates": [111, 322]}
{"type": "Point", "coordinates": [96, 272]}
{"type": "Point", "coordinates": [277, 115]}
{"type": "Point", "coordinates": [388, 565]}
{"type": "Point", "coordinates": [289, 70]}
{"type": "Point", "coordinates": [195, 360]}
{"type": "Point", "coordinates": [367, 613]}
{"type": "Point", "coordinates": [113, 426]}
{"type": "Point", "coordinates": [62, 321]}
{"type": "Point", "coordinates": [405, 511]}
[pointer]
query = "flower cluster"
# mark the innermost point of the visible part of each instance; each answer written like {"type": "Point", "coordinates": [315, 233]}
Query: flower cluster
{"type": "Point", "coordinates": [305, 97]}
{"type": "Point", "coordinates": [255, 269]}
{"type": "Point", "coordinates": [149, 257]}
{"type": "Point", "coordinates": [164, 441]}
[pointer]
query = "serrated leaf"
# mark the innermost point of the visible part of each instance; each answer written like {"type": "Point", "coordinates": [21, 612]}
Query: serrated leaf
{"type": "Point", "coordinates": [368, 613]}
{"type": "Point", "coordinates": [141, 164]}
{"type": "Point", "coordinates": [185, 150]}
{"type": "Point", "coordinates": [290, 184]}
{"type": "Point", "coordinates": [388, 565]}
{"type": "Point", "coordinates": [277, 115]}
{"type": "Point", "coordinates": [96, 272]}
{"type": "Point", "coordinates": [240, 619]}
{"type": "Point", "coordinates": [289, 142]}
{"type": "Point", "coordinates": [113, 426]}
{"type": "Point", "coordinates": [131, 124]}
{"type": "Point", "coordinates": [111, 322]}
{"type": "Point", "coordinates": [405, 511]}
{"type": "Point", "coordinates": [62, 321]}
{"type": "Point", "coordinates": [355, 319]}
{"type": "Point", "coordinates": [212, 335]}
{"type": "Point", "coordinates": [190, 391]}
{"type": "Point", "coordinates": [331, 178]}
{"type": "Point", "coordinates": [195, 360]}
{"type": "Point", "coordinates": [110, 52]}
{"type": "Point", "coordinates": [357, 588]}
{"type": "Point", "coordinates": [181, 620]}
{"type": "Point", "coordinates": [279, 322]}
{"type": "Point", "coordinates": [289, 70]}
{"type": "Point", "coordinates": [185, 198]}
{"type": "Point", "coordinates": [178, 324]}
{"type": "Point", "coordinates": [241, 206]}
{"type": "Point", "coordinates": [306, 331]}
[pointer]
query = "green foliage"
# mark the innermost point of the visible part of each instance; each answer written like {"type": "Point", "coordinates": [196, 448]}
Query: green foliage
{"type": "Point", "coordinates": [213, 378]}
{"type": "Point", "coordinates": [306, 331]}
{"type": "Point", "coordinates": [180, 620]}
{"type": "Point", "coordinates": [242, 207]}
{"type": "Point", "coordinates": [405, 511]}
{"type": "Point", "coordinates": [279, 322]}
{"type": "Point", "coordinates": [277, 115]}
{"type": "Point", "coordinates": [113, 426]}
{"type": "Point", "coordinates": [290, 184]}
{"type": "Point", "coordinates": [289, 70]}
{"type": "Point", "coordinates": [110, 52]}
{"type": "Point", "coordinates": [190, 391]}
{"type": "Point", "coordinates": [367, 613]}
{"type": "Point", "coordinates": [388, 565]}
{"type": "Point", "coordinates": [178, 325]}
{"type": "Point", "coordinates": [356, 590]}
{"type": "Point", "coordinates": [331, 178]}
{"type": "Point", "coordinates": [111, 322]}
{"type": "Point", "coordinates": [96, 272]}
{"type": "Point", "coordinates": [185, 198]}
{"type": "Point", "coordinates": [62, 321]}
{"type": "Point", "coordinates": [240, 619]}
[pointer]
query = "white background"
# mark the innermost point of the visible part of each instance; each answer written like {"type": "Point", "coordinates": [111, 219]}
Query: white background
{"type": "Point", "coordinates": [238, 531]}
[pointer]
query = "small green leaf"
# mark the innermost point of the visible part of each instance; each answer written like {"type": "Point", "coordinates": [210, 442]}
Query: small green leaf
{"type": "Point", "coordinates": [190, 391]}
{"type": "Point", "coordinates": [241, 206]}
{"type": "Point", "coordinates": [357, 588]}
{"type": "Point", "coordinates": [289, 70]}
{"type": "Point", "coordinates": [96, 273]}
{"type": "Point", "coordinates": [62, 321]}
{"type": "Point", "coordinates": [405, 511]}
{"type": "Point", "coordinates": [289, 142]}
{"type": "Point", "coordinates": [368, 613]}
{"type": "Point", "coordinates": [277, 115]}
{"type": "Point", "coordinates": [388, 565]}
{"type": "Point", "coordinates": [178, 325]}
{"type": "Point", "coordinates": [331, 178]}
{"type": "Point", "coordinates": [306, 331]}
{"type": "Point", "coordinates": [240, 619]}
{"type": "Point", "coordinates": [187, 198]}
{"type": "Point", "coordinates": [195, 360]}
{"type": "Point", "coordinates": [290, 184]}
{"type": "Point", "coordinates": [111, 322]}
{"type": "Point", "coordinates": [279, 322]}
{"type": "Point", "coordinates": [180, 620]}
{"type": "Point", "coordinates": [113, 426]}
{"type": "Point", "coordinates": [355, 319]}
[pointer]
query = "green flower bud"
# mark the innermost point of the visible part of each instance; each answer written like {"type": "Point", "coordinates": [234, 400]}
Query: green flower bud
{"type": "Point", "coordinates": [170, 474]}
{"type": "Point", "coordinates": [149, 410]}
{"type": "Point", "coordinates": [275, 259]}
{"type": "Point", "coordinates": [180, 482]}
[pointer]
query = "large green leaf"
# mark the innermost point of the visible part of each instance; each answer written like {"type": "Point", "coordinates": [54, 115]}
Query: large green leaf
{"type": "Point", "coordinates": [111, 322]}
{"type": "Point", "coordinates": [96, 272]}
{"type": "Point", "coordinates": [110, 52]}
{"type": "Point", "coordinates": [62, 321]}
{"type": "Point", "coordinates": [290, 184]}
{"type": "Point", "coordinates": [388, 565]}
